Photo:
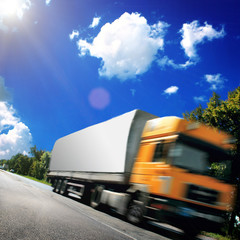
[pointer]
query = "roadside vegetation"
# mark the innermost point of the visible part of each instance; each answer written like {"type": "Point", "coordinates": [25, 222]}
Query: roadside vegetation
{"type": "Point", "coordinates": [37, 180]}
{"type": "Point", "coordinates": [218, 236]}
{"type": "Point", "coordinates": [35, 165]}
{"type": "Point", "coordinates": [224, 115]}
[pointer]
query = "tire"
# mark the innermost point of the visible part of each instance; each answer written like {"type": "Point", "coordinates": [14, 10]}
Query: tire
{"type": "Point", "coordinates": [86, 198]}
{"type": "Point", "coordinates": [135, 212]}
{"type": "Point", "coordinates": [95, 201]}
{"type": "Point", "coordinates": [58, 186]}
{"type": "Point", "coordinates": [63, 189]}
{"type": "Point", "coordinates": [54, 185]}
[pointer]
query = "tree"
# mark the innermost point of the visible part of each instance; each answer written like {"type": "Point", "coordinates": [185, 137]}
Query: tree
{"type": "Point", "coordinates": [35, 166]}
{"type": "Point", "coordinates": [24, 163]}
{"type": "Point", "coordinates": [37, 170]}
{"type": "Point", "coordinates": [45, 159]}
{"type": "Point", "coordinates": [14, 162]}
{"type": "Point", "coordinates": [36, 153]}
{"type": "Point", "coordinates": [224, 115]}
{"type": "Point", "coordinates": [20, 163]}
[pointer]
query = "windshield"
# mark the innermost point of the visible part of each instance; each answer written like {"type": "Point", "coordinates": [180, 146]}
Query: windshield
{"type": "Point", "coordinates": [203, 160]}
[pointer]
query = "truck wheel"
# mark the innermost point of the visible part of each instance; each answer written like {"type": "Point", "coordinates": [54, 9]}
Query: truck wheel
{"type": "Point", "coordinates": [54, 185]}
{"type": "Point", "coordinates": [85, 198]}
{"type": "Point", "coordinates": [96, 197]}
{"type": "Point", "coordinates": [135, 212]}
{"type": "Point", "coordinates": [63, 189]}
{"type": "Point", "coordinates": [58, 187]}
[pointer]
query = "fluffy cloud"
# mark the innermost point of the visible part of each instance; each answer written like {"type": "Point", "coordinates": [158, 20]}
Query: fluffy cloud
{"type": "Point", "coordinates": [216, 81]}
{"type": "Point", "coordinates": [127, 46]}
{"type": "Point", "coordinates": [171, 90]}
{"type": "Point", "coordinates": [15, 136]}
{"type": "Point", "coordinates": [74, 34]}
{"type": "Point", "coordinates": [95, 22]}
{"type": "Point", "coordinates": [193, 34]}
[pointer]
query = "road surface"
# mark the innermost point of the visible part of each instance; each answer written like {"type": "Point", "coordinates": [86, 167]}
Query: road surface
{"type": "Point", "coordinates": [30, 210]}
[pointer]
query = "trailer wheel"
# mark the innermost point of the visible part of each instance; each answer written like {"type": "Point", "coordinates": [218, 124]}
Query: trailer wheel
{"type": "Point", "coordinates": [96, 197]}
{"type": "Point", "coordinates": [54, 185]}
{"type": "Point", "coordinates": [63, 189]}
{"type": "Point", "coordinates": [135, 212]}
{"type": "Point", "coordinates": [58, 186]}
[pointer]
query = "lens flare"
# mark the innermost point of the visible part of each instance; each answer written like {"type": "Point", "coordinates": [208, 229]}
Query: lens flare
{"type": "Point", "coordinates": [99, 98]}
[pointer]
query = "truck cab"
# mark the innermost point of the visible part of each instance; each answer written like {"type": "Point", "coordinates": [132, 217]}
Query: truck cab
{"type": "Point", "coordinates": [185, 169]}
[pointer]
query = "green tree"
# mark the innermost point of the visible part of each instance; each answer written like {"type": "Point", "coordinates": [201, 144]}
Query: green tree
{"type": "Point", "coordinates": [224, 115]}
{"type": "Point", "coordinates": [36, 153]}
{"type": "Point", "coordinates": [40, 163]}
{"type": "Point", "coordinates": [20, 163]}
{"type": "Point", "coordinates": [24, 163]}
{"type": "Point", "coordinates": [37, 170]}
{"type": "Point", "coordinates": [14, 162]}
{"type": "Point", "coordinates": [45, 159]}
{"type": "Point", "coordinates": [32, 171]}
{"type": "Point", "coordinates": [35, 166]}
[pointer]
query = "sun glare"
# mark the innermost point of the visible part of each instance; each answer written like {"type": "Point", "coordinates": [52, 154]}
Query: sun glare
{"type": "Point", "coordinates": [9, 7]}
{"type": "Point", "coordinates": [13, 7]}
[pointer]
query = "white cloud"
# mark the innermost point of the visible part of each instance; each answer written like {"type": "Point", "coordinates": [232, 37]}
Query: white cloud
{"type": "Point", "coordinates": [127, 46]}
{"type": "Point", "coordinates": [171, 90]}
{"type": "Point", "coordinates": [165, 61]}
{"type": "Point", "coordinates": [216, 81]}
{"type": "Point", "coordinates": [74, 34]}
{"type": "Point", "coordinates": [95, 22]}
{"type": "Point", "coordinates": [4, 93]}
{"type": "Point", "coordinates": [200, 99]}
{"type": "Point", "coordinates": [48, 2]}
{"type": "Point", "coordinates": [15, 136]}
{"type": "Point", "coordinates": [193, 34]}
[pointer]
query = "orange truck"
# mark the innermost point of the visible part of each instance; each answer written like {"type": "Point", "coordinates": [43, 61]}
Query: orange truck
{"type": "Point", "coordinates": [144, 167]}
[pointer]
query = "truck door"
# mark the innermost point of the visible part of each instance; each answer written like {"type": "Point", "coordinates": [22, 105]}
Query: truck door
{"type": "Point", "coordinates": [152, 167]}
{"type": "Point", "coordinates": [162, 179]}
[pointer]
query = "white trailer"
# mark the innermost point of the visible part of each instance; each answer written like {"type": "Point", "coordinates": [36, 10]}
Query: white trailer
{"type": "Point", "coordinates": [100, 154]}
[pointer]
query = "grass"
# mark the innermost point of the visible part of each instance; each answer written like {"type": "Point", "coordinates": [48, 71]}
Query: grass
{"type": "Point", "coordinates": [217, 236]}
{"type": "Point", "coordinates": [35, 179]}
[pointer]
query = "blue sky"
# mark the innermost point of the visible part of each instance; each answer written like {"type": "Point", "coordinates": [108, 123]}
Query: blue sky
{"type": "Point", "coordinates": [69, 64]}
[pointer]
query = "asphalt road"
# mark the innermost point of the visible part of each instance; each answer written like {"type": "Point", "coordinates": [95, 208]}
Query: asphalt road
{"type": "Point", "coordinates": [30, 210]}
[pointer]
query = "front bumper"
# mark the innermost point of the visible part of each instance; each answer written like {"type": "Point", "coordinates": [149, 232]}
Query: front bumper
{"type": "Point", "coordinates": [186, 215]}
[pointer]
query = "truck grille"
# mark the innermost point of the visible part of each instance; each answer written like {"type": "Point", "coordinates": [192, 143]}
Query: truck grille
{"type": "Point", "coordinates": [201, 194]}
